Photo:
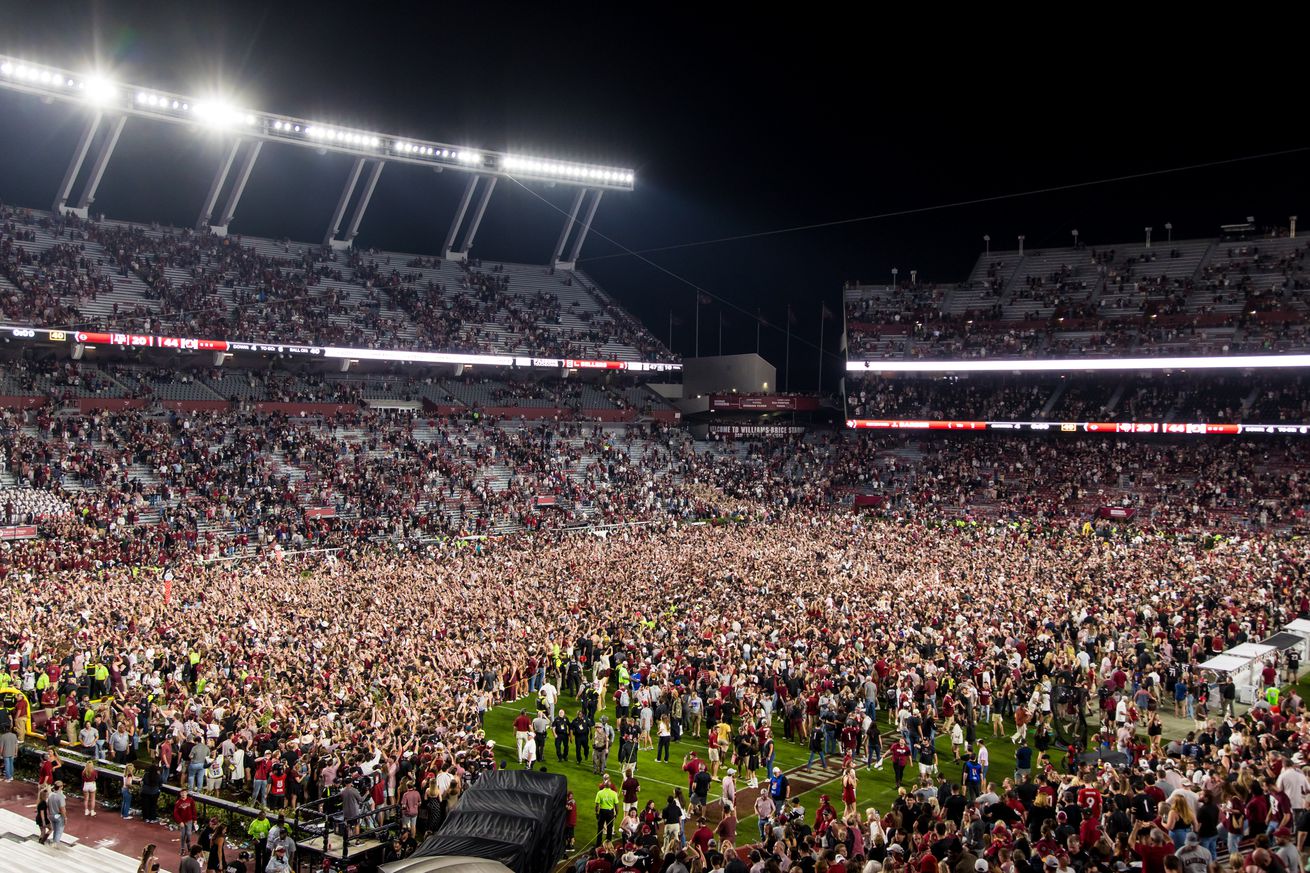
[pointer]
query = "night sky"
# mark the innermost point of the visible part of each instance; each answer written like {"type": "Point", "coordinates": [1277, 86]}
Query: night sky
{"type": "Point", "coordinates": [775, 117]}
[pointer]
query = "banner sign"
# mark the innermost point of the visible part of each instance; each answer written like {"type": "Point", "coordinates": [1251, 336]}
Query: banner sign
{"type": "Point", "coordinates": [149, 341]}
{"type": "Point", "coordinates": [757, 429]}
{"type": "Point", "coordinates": [1115, 427]}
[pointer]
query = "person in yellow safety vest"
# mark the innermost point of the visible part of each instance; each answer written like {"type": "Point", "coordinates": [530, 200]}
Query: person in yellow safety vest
{"type": "Point", "coordinates": [101, 686]}
{"type": "Point", "coordinates": [42, 681]}
{"type": "Point", "coordinates": [555, 655]}
{"type": "Point", "coordinates": [4, 679]}
{"type": "Point", "coordinates": [1272, 694]}
{"type": "Point", "coordinates": [625, 679]}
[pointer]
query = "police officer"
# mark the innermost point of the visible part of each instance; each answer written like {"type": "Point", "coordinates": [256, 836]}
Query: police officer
{"type": "Point", "coordinates": [581, 726]}
{"type": "Point", "coordinates": [561, 727]}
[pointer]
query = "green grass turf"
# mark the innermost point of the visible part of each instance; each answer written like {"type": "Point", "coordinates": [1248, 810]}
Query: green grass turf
{"type": "Point", "coordinates": [877, 787]}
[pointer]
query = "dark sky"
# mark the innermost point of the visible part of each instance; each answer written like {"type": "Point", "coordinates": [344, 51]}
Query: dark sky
{"type": "Point", "coordinates": [775, 117]}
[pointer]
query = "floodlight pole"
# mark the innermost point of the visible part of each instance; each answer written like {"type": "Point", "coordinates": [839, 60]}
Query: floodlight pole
{"type": "Point", "coordinates": [216, 187]}
{"type": "Point", "coordinates": [464, 201]}
{"type": "Point", "coordinates": [568, 227]}
{"type": "Point", "coordinates": [334, 227]}
{"type": "Point", "coordinates": [584, 229]}
{"type": "Point", "coordinates": [101, 162]}
{"type": "Point", "coordinates": [244, 169]}
{"type": "Point", "coordinates": [75, 165]}
{"type": "Point", "coordinates": [357, 216]}
{"type": "Point", "coordinates": [478, 212]}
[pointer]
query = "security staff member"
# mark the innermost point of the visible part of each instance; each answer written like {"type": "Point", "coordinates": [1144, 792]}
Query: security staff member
{"type": "Point", "coordinates": [581, 726]}
{"type": "Point", "coordinates": [561, 728]}
{"type": "Point", "coordinates": [607, 801]}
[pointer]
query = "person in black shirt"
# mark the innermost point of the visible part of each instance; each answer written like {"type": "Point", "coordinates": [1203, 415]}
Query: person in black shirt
{"type": "Point", "coordinates": [561, 728]}
{"type": "Point", "coordinates": [581, 727]}
{"type": "Point", "coordinates": [954, 806]}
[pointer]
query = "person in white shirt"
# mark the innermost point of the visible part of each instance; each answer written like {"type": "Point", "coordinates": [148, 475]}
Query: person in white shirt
{"type": "Point", "coordinates": [729, 788]}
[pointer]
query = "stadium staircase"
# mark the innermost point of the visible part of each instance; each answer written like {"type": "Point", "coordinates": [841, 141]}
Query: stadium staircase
{"type": "Point", "coordinates": [21, 851]}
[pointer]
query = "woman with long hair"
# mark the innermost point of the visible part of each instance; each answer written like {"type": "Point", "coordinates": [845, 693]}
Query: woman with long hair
{"type": "Point", "coordinates": [149, 860]}
{"type": "Point", "coordinates": [217, 861]}
{"type": "Point", "coordinates": [43, 812]}
{"type": "Point", "coordinates": [850, 783]}
{"type": "Point", "coordinates": [89, 775]}
{"type": "Point", "coordinates": [129, 782]}
{"type": "Point", "coordinates": [1180, 820]}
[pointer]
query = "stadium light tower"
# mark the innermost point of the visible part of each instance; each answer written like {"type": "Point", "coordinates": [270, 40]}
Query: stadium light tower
{"type": "Point", "coordinates": [1291, 220]}
{"type": "Point", "coordinates": [1021, 245]}
{"type": "Point", "coordinates": [1148, 237]}
{"type": "Point", "coordinates": [987, 244]}
{"type": "Point", "coordinates": [1075, 237]}
{"type": "Point", "coordinates": [115, 101]}
{"type": "Point", "coordinates": [1169, 230]}
{"type": "Point", "coordinates": [895, 272]}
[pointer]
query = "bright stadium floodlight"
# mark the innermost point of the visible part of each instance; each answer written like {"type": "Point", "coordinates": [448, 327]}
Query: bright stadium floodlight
{"type": "Point", "coordinates": [98, 90]}
{"type": "Point", "coordinates": [135, 99]}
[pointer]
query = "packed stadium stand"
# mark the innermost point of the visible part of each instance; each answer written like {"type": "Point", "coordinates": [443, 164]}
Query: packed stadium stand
{"type": "Point", "coordinates": [1208, 296]}
{"type": "Point", "coordinates": [60, 271]}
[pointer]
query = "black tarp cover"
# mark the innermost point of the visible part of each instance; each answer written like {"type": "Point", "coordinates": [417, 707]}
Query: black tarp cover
{"type": "Point", "coordinates": [515, 817]}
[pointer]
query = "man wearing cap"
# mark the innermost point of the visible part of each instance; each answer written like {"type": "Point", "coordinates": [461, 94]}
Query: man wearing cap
{"type": "Point", "coordinates": [1193, 856]}
{"type": "Point", "coordinates": [730, 787]}
{"type": "Point", "coordinates": [279, 863]}
{"type": "Point", "coordinates": [779, 787]}
{"type": "Point", "coordinates": [1286, 852]}
{"type": "Point", "coordinates": [57, 808]}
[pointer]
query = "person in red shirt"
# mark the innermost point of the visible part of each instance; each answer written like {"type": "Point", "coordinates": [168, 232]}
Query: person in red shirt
{"type": "Point", "coordinates": [570, 820]}
{"type": "Point", "coordinates": [702, 836]}
{"type": "Point", "coordinates": [1152, 850]}
{"type": "Point", "coordinates": [277, 786]}
{"type": "Point", "coordinates": [49, 765]}
{"type": "Point", "coordinates": [691, 766]}
{"type": "Point", "coordinates": [1090, 801]}
{"type": "Point", "coordinates": [184, 813]}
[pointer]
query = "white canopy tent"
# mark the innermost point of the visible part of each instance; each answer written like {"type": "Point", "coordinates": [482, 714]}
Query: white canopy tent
{"type": "Point", "coordinates": [1243, 663]}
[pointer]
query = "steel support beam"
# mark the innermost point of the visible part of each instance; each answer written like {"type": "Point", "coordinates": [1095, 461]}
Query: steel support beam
{"type": "Point", "coordinates": [459, 216]}
{"type": "Point", "coordinates": [478, 213]}
{"type": "Point", "coordinates": [361, 206]}
{"type": "Point", "coordinates": [337, 214]}
{"type": "Point", "coordinates": [75, 165]}
{"type": "Point", "coordinates": [215, 187]}
{"type": "Point", "coordinates": [101, 162]}
{"type": "Point", "coordinates": [586, 226]}
{"type": "Point", "coordinates": [244, 169]}
{"type": "Point", "coordinates": [568, 226]}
